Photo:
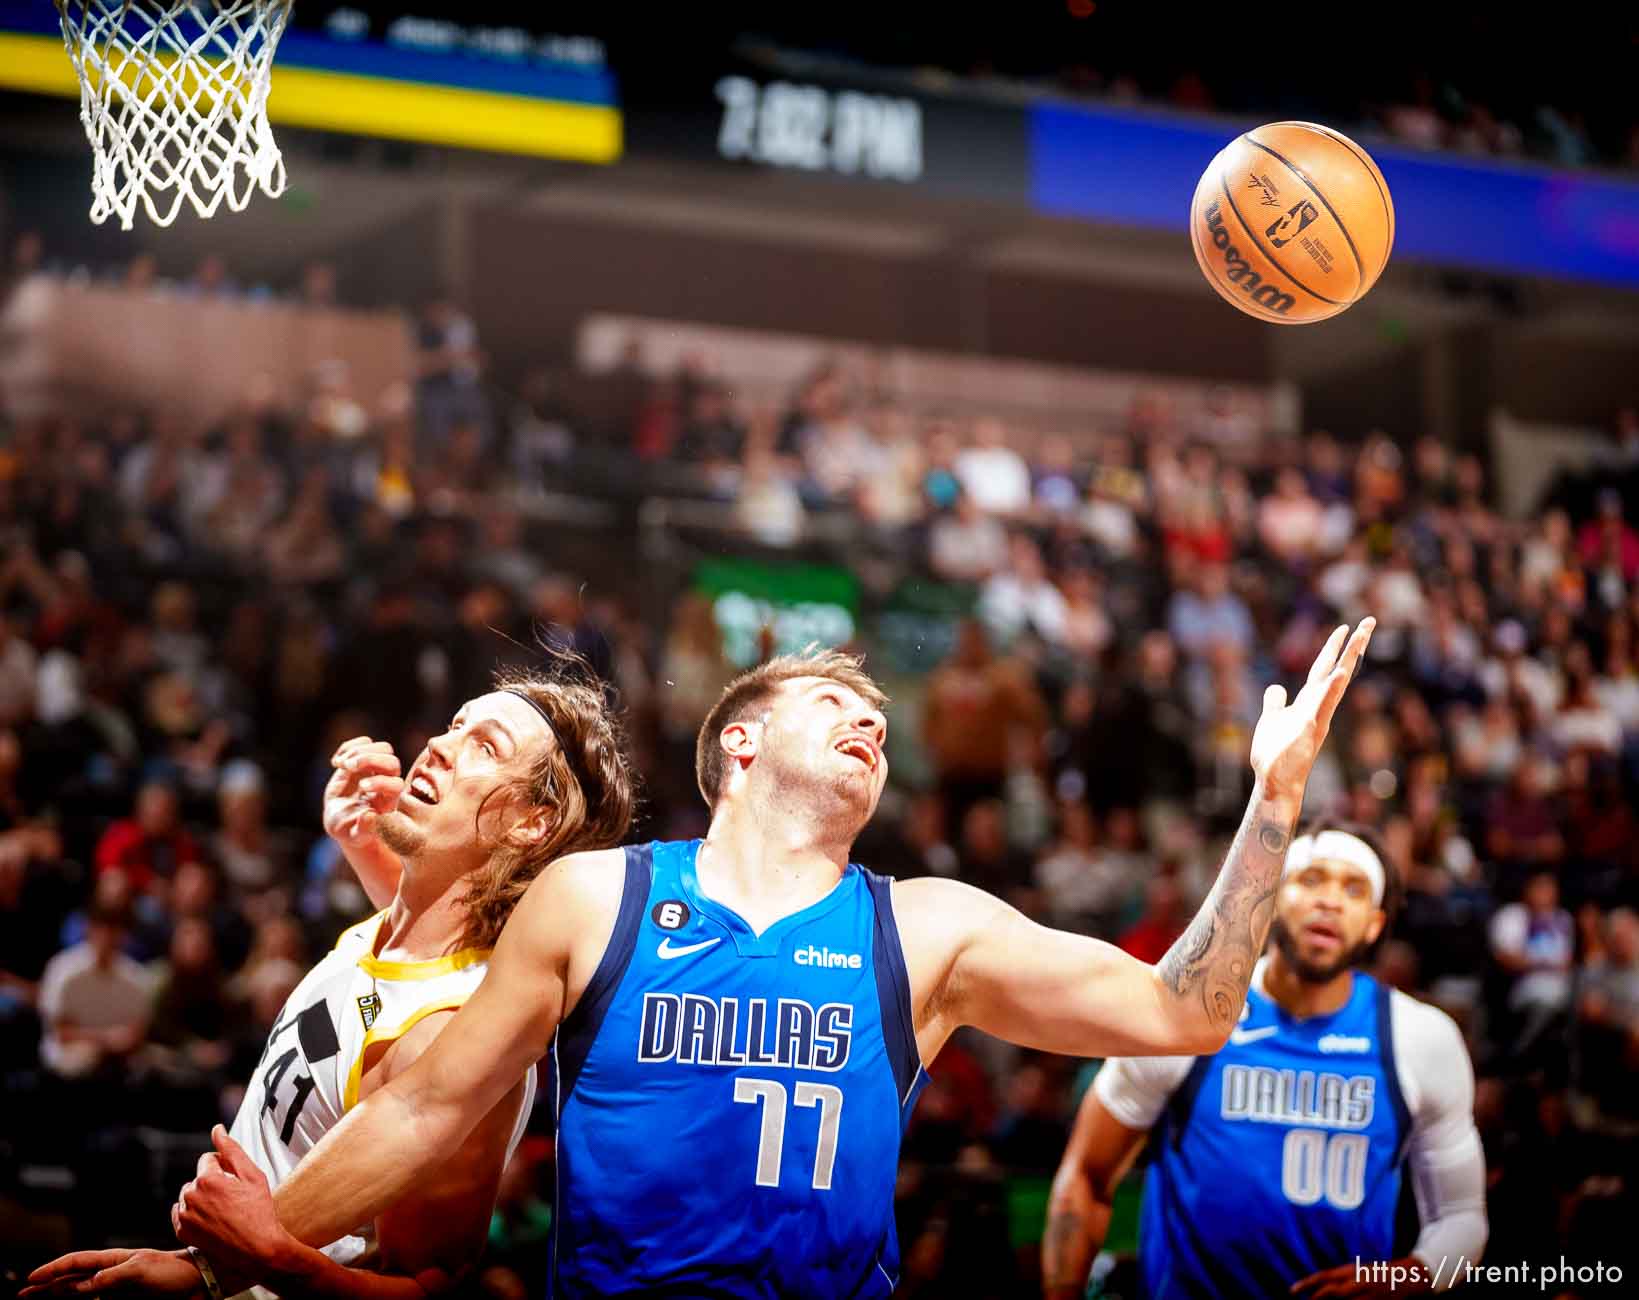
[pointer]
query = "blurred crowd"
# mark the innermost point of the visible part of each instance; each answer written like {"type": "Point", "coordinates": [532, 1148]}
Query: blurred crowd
{"type": "Point", "coordinates": [1427, 110]}
{"type": "Point", "coordinates": [1460, 78]}
{"type": "Point", "coordinates": [192, 619]}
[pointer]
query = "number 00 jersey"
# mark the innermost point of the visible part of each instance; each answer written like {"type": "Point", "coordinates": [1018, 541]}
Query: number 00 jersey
{"type": "Point", "coordinates": [351, 1004]}
{"type": "Point", "coordinates": [730, 1104]}
{"type": "Point", "coordinates": [1282, 1154]}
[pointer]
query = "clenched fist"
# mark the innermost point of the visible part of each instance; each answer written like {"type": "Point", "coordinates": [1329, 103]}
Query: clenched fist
{"type": "Point", "coordinates": [365, 784]}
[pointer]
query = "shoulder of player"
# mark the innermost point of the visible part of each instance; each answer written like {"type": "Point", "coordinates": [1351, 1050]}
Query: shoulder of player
{"type": "Point", "coordinates": [1421, 1027]}
{"type": "Point", "coordinates": [575, 890]}
{"type": "Point", "coordinates": [932, 912]}
{"type": "Point", "coordinates": [1430, 1056]}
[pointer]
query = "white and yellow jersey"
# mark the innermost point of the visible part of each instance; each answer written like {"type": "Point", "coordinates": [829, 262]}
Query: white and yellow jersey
{"type": "Point", "coordinates": [347, 1009]}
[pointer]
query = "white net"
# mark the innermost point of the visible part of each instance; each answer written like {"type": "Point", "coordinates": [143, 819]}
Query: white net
{"type": "Point", "coordinates": [174, 100]}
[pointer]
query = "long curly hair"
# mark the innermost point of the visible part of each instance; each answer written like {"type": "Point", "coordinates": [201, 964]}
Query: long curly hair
{"type": "Point", "coordinates": [595, 816]}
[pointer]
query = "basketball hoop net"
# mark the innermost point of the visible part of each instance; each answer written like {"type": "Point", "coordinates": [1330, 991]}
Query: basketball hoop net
{"type": "Point", "coordinates": [173, 94]}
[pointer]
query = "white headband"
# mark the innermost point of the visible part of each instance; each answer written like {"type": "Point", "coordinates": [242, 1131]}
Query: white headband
{"type": "Point", "coordinates": [1338, 846]}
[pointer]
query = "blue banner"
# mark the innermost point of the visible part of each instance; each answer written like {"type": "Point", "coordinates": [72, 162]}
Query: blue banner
{"type": "Point", "coordinates": [1133, 168]}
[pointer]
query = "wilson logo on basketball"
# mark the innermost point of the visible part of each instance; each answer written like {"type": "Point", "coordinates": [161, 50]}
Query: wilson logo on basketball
{"type": "Point", "coordinates": [1238, 272]}
{"type": "Point", "coordinates": [1280, 230]}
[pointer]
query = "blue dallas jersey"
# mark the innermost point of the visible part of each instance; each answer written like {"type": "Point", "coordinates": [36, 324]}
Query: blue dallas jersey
{"type": "Point", "coordinates": [730, 1104]}
{"type": "Point", "coordinates": [1279, 1156]}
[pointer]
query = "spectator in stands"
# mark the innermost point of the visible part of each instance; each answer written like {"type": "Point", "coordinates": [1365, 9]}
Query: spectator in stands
{"type": "Point", "coordinates": [768, 505]}
{"type": "Point", "coordinates": [196, 894]}
{"type": "Point", "coordinates": [839, 451]}
{"type": "Point", "coordinates": [1523, 825]}
{"type": "Point", "coordinates": [543, 436]}
{"type": "Point", "coordinates": [925, 847]}
{"type": "Point", "coordinates": [149, 845]}
{"type": "Point", "coordinates": [174, 638]}
{"type": "Point", "coordinates": [503, 555]}
{"type": "Point", "coordinates": [1289, 522]}
{"type": "Point", "coordinates": [892, 499]}
{"type": "Point", "coordinates": [305, 547]}
{"type": "Point", "coordinates": [191, 1017]}
{"type": "Point", "coordinates": [263, 987]}
{"type": "Point", "coordinates": [1164, 919]}
{"type": "Point", "coordinates": [277, 942]}
{"type": "Point", "coordinates": [94, 1002]}
{"type": "Point", "coordinates": [1617, 687]}
{"type": "Point", "coordinates": [988, 859]}
{"type": "Point", "coordinates": [1057, 487]}
{"type": "Point", "coordinates": [248, 851]}
{"type": "Point", "coordinates": [966, 544]}
{"type": "Point", "coordinates": [1608, 1017]}
{"type": "Point", "coordinates": [1115, 502]}
{"type": "Point", "coordinates": [1020, 597]}
{"type": "Point", "coordinates": [1088, 628]}
{"type": "Point", "coordinates": [1608, 547]}
{"type": "Point", "coordinates": [694, 667]}
{"type": "Point", "coordinates": [1032, 1130]}
{"type": "Point", "coordinates": [1534, 943]}
{"type": "Point", "coordinates": [992, 472]}
{"type": "Point", "coordinates": [974, 703]}
{"type": "Point", "coordinates": [1209, 614]}
{"type": "Point", "coordinates": [1583, 722]}
{"type": "Point", "coordinates": [18, 665]}
{"type": "Point", "coordinates": [449, 367]}
{"type": "Point", "coordinates": [1081, 887]}
{"type": "Point", "coordinates": [1512, 673]}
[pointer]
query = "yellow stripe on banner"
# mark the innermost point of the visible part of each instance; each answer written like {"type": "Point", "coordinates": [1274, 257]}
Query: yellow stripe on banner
{"type": "Point", "coordinates": [401, 110]}
{"type": "Point", "coordinates": [38, 64]}
{"type": "Point", "coordinates": [471, 119]}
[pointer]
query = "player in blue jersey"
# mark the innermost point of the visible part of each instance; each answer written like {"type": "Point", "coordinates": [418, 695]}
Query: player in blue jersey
{"type": "Point", "coordinates": [1277, 1161]}
{"type": "Point", "coordinates": [739, 1024]}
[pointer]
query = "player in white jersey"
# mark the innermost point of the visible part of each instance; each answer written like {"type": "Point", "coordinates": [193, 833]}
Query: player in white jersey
{"type": "Point", "coordinates": [1277, 1160]}
{"type": "Point", "coordinates": [521, 776]}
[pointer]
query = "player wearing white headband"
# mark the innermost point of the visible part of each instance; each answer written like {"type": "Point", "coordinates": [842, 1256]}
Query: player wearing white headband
{"type": "Point", "coordinates": [1278, 1161]}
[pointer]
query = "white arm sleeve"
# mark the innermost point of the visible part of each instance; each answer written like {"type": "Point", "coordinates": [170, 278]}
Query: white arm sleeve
{"type": "Point", "coordinates": [1447, 1162]}
{"type": "Point", "coordinates": [1135, 1089]}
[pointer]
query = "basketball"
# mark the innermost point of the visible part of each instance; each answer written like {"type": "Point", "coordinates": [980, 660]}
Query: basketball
{"type": "Point", "coordinates": [1292, 223]}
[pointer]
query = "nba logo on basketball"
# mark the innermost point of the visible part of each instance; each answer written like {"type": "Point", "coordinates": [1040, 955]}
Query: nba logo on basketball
{"type": "Point", "coordinates": [1303, 213]}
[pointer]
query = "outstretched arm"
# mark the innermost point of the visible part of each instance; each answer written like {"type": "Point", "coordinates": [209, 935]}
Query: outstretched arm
{"type": "Point", "coordinates": [429, 1240]}
{"type": "Point", "coordinates": [398, 1136]}
{"type": "Point", "coordinates": [980, 962]}
{"type": "Point", "coordinates": [1078, 1212]}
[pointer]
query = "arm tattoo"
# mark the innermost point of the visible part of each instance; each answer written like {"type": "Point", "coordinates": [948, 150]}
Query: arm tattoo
{"type": "Point", "coordinates": [1065, 1231]}
{"type": "Point", "coordinates": [1213, 959]}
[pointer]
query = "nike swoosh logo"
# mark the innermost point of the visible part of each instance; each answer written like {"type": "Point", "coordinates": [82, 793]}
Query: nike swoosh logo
{"type": "Point", "coordinates": [666, 952]}
{"type": "Point", "coordinates": [1239, 1036]}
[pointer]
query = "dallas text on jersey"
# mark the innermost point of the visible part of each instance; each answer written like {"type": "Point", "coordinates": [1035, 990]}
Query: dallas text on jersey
{"type": "Point", "coordinates": [694, 1030]}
